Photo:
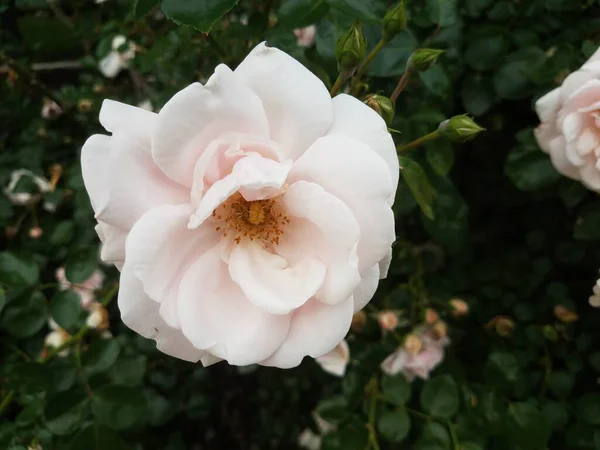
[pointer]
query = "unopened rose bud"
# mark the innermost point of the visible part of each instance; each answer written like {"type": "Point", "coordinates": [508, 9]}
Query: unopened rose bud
{"type": "Point", "coordinates": [50, 109]}
{"type": "Point", "coordinates": [98, 88]}
{"type": "Point", "coordinates": [35, 233]}
{"type": "Point", "coordinates": [56, 339]}
{"type": "Point", "coordinates": [84, 105]}
{"type": "Point", "coordinates": [388, 320]}
{"type": "Point", "coordinates": [550, 333]}
{"type": "Point", "coordinates": [459, 307]}
{"type": "Point", "coordinates": [394, 21]}
{"type": "Point", "coordinates": [382, 106]}
{"type": "Point", "coordinates": [503, 325]}
{"type": "Point", "coordinates": [98, 318]}
{"type": "Point", "coordinates": [460, 129]}
{"type": "Point", "coordinates": [358, 321]}
{"type": "Point", "coordinates": [413, 344]}
{"type": "Point", "coordinates": [440, 329]}
{"type": "Point", "coordinates": [565, 315]}
{"type": "Point", "coordinates": [350, 49]}
{"type": "Point", "coordinates": [423, 59]}
{"type": "Point", "coordinates": [431, 316]}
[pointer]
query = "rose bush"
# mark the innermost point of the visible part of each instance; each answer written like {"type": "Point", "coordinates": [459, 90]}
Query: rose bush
{"type": "Point", "coordinates": [250, 218]}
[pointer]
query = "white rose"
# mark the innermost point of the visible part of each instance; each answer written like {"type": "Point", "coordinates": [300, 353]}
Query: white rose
{"type": "Point", "coordinates": [250, 218]}
{"type": "Point", "coordinates": [570, 124]}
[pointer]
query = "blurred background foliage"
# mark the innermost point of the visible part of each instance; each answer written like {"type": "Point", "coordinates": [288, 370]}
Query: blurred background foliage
{"type": "Point", "coordinates": [508, 235]}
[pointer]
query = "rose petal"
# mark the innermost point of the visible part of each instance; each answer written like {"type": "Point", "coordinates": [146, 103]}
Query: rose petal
{"type": "Point", "coordinates": [547, 106]}
{"type": "Point", "coordinates": [270, 282]}
{"type": "Point", "coordinates": [367, 287]}
{"type": "Point", "coordinates": [335, 361]}
{"type": "Point", "coordinates": [113, 243]}
{"type": "Point", "coordinates": [110, 65]}
{"type": "Point", "coordinates": [197, 115]}
{"type": "Point", "coordinates": [297, 103]}
{"type": "Point", "coordinates": [215, 315]}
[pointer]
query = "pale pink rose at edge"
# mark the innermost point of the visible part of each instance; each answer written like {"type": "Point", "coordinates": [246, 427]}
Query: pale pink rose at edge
{"type": "Point", "coordinates": [255, 212]}
{"type": "Point", "coordinates": [305, 37]}
{"type": "Point", "coordinates": [570, 124]}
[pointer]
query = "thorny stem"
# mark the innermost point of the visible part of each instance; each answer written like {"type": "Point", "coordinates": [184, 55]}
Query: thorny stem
{"type": "Point", "coordinates": [363, 66]}
{"type": "Point", "coordinates": [418, 142]}
{"type": "Point", "coordinates": [400, 86]}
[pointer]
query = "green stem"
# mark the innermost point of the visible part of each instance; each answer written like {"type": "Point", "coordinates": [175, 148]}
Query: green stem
{"type": "Point", "coordinates": [6, 401]}
{"type": "Point", "coordinates": [374, 391]}
{"type": "Point", "coordinates": [400, 86]}
{"type": "Point", "coordinates": [363, 66]}
{"type": "Point", "coordinates": [418, 142]}
{"type": "Point", "coordinates": [213, 42]}
{"type": "Point", "coordinates": [110, 295]}
{"type": "Point", "coordinates": [336, 86]}
{"type": "Point", "coordinates": [453, 436]}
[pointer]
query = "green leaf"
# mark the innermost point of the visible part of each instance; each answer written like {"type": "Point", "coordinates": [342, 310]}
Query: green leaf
{"type": "Point", "coordinates": [63, 233]}
{"type": "Point", "coordinates": [419, 185]}
{"type": "Point", "coordinates": [391, 61]}
{"type": "Point", "coordinates": [28, 378]}
{"type": "Point", "coordinates": [476, 7]}
{"type": "Point", "coordinates": [30, 413]}
{"type": "Point", "coordinates": [351, 436]}
{"type": "Point", "coordinates": [17, 272]}
{"type": "Point", "coordinates": [439, 396]}
{"type": "Point", "coordinates": [396, 388]}
{"type": "Point", "coordinates": [26, 315]}
{"type": "Point", "coordinates": [2, 299]}
{"type": "Point", "coordinates": [556, 414]}
{"type": "Point", "coordinates": [587, 225]}
{"type": "Point", "coordinates": [118, 407]}
{"type": "Point", "coordinates": [333, 409]}
{"type": "Point", "coordinates": [443, 12]}
{"type": "Point", "coordinates": [434, 436]}
{"type": "Point", "coordinates": [477, 95]}
{"type": "Point", "coordinates": [486, 49]}
{"type": "Point", "coordinates": [528, 426]}
{"type": "Point", "coordinates": [501, 369]}
{"type": "Point", "coordinates": [198, 14]}
{"type": "Point", "coordinates": [561, 383]}
{"type": "Point", "coordinates": [65, 308]}
{"type": "Point", "coordinates": [588, 408]}
{"type": "Point", "coordinates": [95, 437]}
{"type": "Point", "coordinates": [66, 411]}
{"type": "Point", "coordinates": [368, 11]}
{"type": "Point", "coordinates": [101, 355]}
{"type": "Point", "coordinates": [394, 425]}
{"type": "Point", "coordinates": [143, 7]}
{"type": "Point", "coordinates": [440, 156]}
{"type": "Point", "coordinates": [301, 13]}
{"type": "Point", "coordinates": [530, 169]}
{"type": "Point", "coordinates": [437, 81]}
{"type": "Point", "coordinates": [81, 265]}
{"type": "Point", "coordinates": [129, 370]}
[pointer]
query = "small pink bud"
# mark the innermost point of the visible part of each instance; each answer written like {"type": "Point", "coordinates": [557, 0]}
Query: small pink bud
{"type": "Point", "coordinates": [388, 320]}
{"type": "Point", "coordinates": [413, 344]}
{"type": "Point", "coordinates": [35, 233]}
{"type": "Point", "coordinates": [459, 307]}
{"type": "Point", "coordinates": [431, 316]}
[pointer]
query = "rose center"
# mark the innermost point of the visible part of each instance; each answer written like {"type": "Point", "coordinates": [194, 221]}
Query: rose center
{"type": "Point", "coordinates": [240, 219]}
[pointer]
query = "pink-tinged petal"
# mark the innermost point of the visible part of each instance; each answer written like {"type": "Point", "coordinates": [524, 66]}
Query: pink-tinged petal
{"type": "Point", "coordinates": [544, 133]}
{"type": "Point", "coordinates": [255, 177]}
{"type": "Point", "coordinates": [548, 105]}
{"type": "Point", "coordinates": [297, 103]}
{"type": "Point", "coordinates": [119, 118]}
{"type": "Point", "coordinates": [350, 170]}
{"type": "Point", "coordinates": [140, 314]}
{"type": "Point", "coordinates": [573, 83]}
{"type": "Point", "coordinates": [590, 176]}
{"type": "Point", "coordinates": [270, 282]}
{"type": "Point", "coordinates": [197, 115]}
{"type": "Point", "coordinates": [353, 118]}
{"type": "Point", "coordinates": [384, 264]}
{"type": "Point", "coordinates": [588, 141]}
{"type": "Point", "coordinates": [315, 329]}
{"type": "Point", "coordinates": [584, 98]}
{"type": "Point", "coordinates": [96, 156]}
{"type": "Point", "coordinates": [327, 231]}
{"type": "Point", "coordinates": [160, 248]}
{"type": "Point", "coordinates": [367, 287]}
{"type": "Point", "coordinates": [395, 362]}
{"type": "Point", "coordinates": [216, 315]}
{"type": "Point", "coordinates": [335, 361]}
{"type": "Point", "coordinates": [558, 155]}
{"type": "Point", "coordinates": [113, 244]}
{"type": "Point", "coordinates": [572, 126]}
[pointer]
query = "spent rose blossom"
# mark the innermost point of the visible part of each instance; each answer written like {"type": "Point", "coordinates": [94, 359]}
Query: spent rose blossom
{"type": "Point", "coordinates": [39, 186]}
{"type": "Point", "coordinates": [570, 124]}
{"type": "Point", "coordinates": [336, 360]}
{"type": "Point", "coordinates": [305, 37]}
{"type": "Point", "coordinates": [85, 290]}
{"type": "Point", "coordinates": [118, 58]}
{"type": "Point", "coordinates": [250, 218]}
{"type": "Point", "coordinates": [420, 364]}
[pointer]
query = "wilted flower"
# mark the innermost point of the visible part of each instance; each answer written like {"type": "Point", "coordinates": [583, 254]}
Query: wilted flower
{"type": "Point", "coordinates": [122, 51]}
{"type": "Point", "coordinates": [388, 320]}
{"type": "Point", "coordinates": [413, 344]}
{"type": "Point", "coordinates": [305, 37]}
{"type": "Point", "coordinates": [419, 364]}
{"type": "Point", "coordinates": [51, 109]}
{"type": "Point", "coordinates": [57, 338]}
{"type": "Point", "coordinates": [564, 314]}
{"type": "Point", "coordinates": [258, 191]}
{"type": "Point", "coordinates": [335, 361]}
{"type": "Point", "coordinates": [440, 329]}
{"type": "Point", "coordinates": [431, 316]}
{"type": "Point", "coordinates": [503, 325]}
{"type": "Point", "coordinates": [84, 105]}
{"type": "Point", "coordinates": [85, 289]}
{"type": "Point", "coordinates": [459, 307]}
{"type": "Point", "coordinates": [570, 124]}
{"type": "Point", "coordinates": [37, 187]}
{"type": "Point", "coordinates": [98, 318]}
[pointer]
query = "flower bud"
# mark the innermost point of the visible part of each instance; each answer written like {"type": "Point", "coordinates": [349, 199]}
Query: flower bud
{"type": "Point", "coordinates": [358, 321]}
{"type": "Point", "coordinates": [440, 329]}
{"type": "Point", "coordinates": [388, 320]}
{"type": "Point", "coordinates": [350, 48]}
{"type": "Point", "coordinates": [84, 105]}
{"type": "Point", "coordinates": [413, 344]}
{"type": "Point", "coordinates": [98, 318]}
{"type": "Point", "coordinates": [550, 333]}
{"type": "Point", "coordinates": [503, 325]}
{"type": "Point", "coordinates": [565, 315]}
{"type": "Point", "coordinates": [459, 307]}
{"type": "Point", "coordinates": [35, 233]}
{"type": "Point", "coordinates": [460, 129]}
{"type": "Point", "coordinates": [431, 316]}
{"type": "Point", "coordinates": [423, 59]}
{"type": "Point", "coordinates": [382, 106]}
{"type": "Point", "coordinates": [394, 21]}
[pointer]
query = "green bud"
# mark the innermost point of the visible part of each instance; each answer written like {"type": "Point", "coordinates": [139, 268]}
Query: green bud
{"type": "Point", "coordinates": [423, 59]}
{"type": "Point", "coordinates": [394, 21]}
{"type": "Point", "coordinates": [382, 106]}
{"type": "Point", "coordinates": [460, 129]}
{"type": "Point", "coordinates": [350, 48]}
{"type": "Point", "coordinates": [550, 333]}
